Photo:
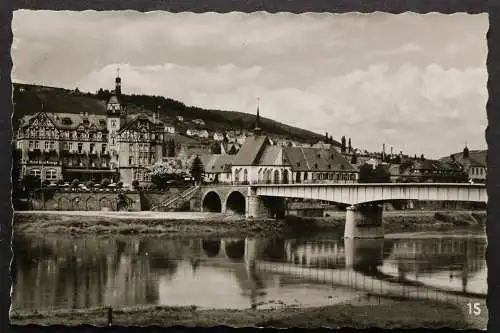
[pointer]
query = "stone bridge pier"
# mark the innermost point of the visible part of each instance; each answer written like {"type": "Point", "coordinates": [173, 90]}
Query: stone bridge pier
{"type": "Point", "coordinates": [364, 221]}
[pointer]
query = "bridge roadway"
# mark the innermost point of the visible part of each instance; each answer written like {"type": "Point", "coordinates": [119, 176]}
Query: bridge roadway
{"type": "Point", "coordinates": [359, 193]}
{"type": "Point", "coordinates": [375, 286]}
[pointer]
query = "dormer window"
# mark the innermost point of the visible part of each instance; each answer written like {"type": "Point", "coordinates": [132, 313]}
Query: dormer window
{"type": "Point", "coordinates": [315, 165]}
{"type": "Point", "coordinates": [319, 156]}
{"type": "Point", "coordinates": [329, 166]}
{"type": "Point", "coordinates": [298, 164]}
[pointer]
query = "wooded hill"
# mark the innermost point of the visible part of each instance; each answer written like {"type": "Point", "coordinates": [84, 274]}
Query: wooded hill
{"type": "Point", "coordinates": [28, 100]}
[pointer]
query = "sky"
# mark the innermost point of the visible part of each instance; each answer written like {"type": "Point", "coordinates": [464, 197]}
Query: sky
{"type": "Point", "coordinates": [414, 82]}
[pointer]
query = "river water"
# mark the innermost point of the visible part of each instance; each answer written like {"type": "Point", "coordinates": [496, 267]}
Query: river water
{"type": "Point", "coordinates": [60, 272]}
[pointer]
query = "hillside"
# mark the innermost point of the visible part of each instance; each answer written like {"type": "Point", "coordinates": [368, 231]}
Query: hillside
{"type": "Point", "coordinates": [28, 98]}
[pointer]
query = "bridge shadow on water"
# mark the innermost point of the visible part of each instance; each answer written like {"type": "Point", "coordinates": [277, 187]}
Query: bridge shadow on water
{"type": "Point", "coordinates": [240, 272]}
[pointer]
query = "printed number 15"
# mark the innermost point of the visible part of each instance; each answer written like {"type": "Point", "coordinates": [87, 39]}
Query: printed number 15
{"type": "Point", "coordinates": [474, 308]}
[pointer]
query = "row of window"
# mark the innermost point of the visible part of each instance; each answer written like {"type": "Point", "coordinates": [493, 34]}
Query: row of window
{"type": "Point", "coordinates": [36, 145]}
{"type": "Point", "coordinates": [143, 147]}
{"type": "Point", "coordinates": [142, 176]}
{"type": "Point", "coordinates": [478, 171]}
{"type": "Point", "coordinates": [50, 174]}
{"type": "Point", "coordinates": [42, 133]}
{"type": "Point", "coordinates": [141, 161]}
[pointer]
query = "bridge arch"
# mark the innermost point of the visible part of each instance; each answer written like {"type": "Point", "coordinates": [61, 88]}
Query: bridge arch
{"type": "Point", "coordinates": [236, 202]}
{"type": "Point", "coordinates": [211, 247]}
{"type": "Point", "coordinates": [235, 250]}
{"type": "Point", "coordinates": [211, 202]}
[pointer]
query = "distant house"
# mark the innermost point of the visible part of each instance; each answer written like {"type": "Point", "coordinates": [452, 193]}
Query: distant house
{"type": "Point", "coordinates": [191, 132]}
{"type": "Point", "coordinates": [198, 122]}
{"type": "Point", "coordinates": [473, 162]}
{"type": "Point", "coordinates": [170, 128]}
{"type": "Point", "coordinates": [231, 137]}
{"type": "Point", "coordinates": [203, 134]}
{"type": "Point", "coordinates": [425, 170]}
{"type": "Point", "coordinates": [180, 118]}
{"type": "Point", "coordinates": [229, 148]}
{"type": "Point", "coordinates": [218, 168]}
{"type": "Point", "coordinates": [241, 138]}
{"type": "Point", "coordinates": [218, 136]}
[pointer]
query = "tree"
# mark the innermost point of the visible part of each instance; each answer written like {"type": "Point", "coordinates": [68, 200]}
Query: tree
{"type": "Point", "coordinates": [30, 183]}
{"type": "Point", "coordinates": [349, 147]}
{"type": "Point", "coordinates": [105, 182]}
{"type": "Point", "coordinates": [216, 148]}
{"type": "Point", "coordinates": [90, 184]}
{"type": "Point", "coordinates": [75, 183]}
{"type": "Point", "coordinates": [354, 159]}
{"type": "Point", "coordinates": [342, 144]}
{"type": "Point", "coordinates": [135, 184]}
{"type": "Point", "coordinates": [422, 157]}
{"type": "Point", "coordinates": [163, 172]}
{"type": "Point", "coordinates": [197, 170]}
{"type": "Point", "coordinates": [378, 175]}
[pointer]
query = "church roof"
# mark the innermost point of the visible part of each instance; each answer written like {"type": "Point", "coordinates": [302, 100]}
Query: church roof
{"type": "Point", "coordinates": [250, 150]}
{"type": "Point", "coordinates": [316, 159]}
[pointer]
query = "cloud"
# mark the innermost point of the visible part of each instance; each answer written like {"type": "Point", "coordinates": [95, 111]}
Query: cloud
{"type": "Point", "coordinates": [398, 79]}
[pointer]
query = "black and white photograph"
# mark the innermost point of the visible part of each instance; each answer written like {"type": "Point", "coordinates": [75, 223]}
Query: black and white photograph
{"type": "Point", "coordinates": [249, 169]}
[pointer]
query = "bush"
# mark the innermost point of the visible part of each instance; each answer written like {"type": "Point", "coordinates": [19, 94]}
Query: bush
{"type": "Point", "coordinates": [105, 182]}
{"type": "Point", "coordinates": [119, 184]}
{"type": "Point", "coordinates": [46, 183]}
{"type": "Point", "coordinates": [90, 184]}
{"type": "Point", "coordinates": [60, 182]}
{"type": "Point", "coordinates": [135, 184]}
{"type": "Point", "coordinates": [75, 183]}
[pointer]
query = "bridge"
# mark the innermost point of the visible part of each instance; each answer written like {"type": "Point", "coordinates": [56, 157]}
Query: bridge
{"type": "Point", "coordinates": [364, 211]}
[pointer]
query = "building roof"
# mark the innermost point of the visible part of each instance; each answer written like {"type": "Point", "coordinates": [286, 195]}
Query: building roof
{"type": "Point", "coordinates": [272, 155]}
{"type": "Point", "coordinates": [250, 150]}
{"type": "Point", "coordinates": [477, 158]}
{"type": "Point", "coordinates": [68, 121]}
{"type": "Point", "coordinates": [219, 163]}
{"type": "Point", "coordinates": [316, 159]}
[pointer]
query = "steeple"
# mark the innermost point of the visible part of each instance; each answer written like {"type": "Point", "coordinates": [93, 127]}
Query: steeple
{"type": "Point", "coordinates": [257, 128]}
{"type": "Point", "coordinates": [118, 82]}
{"type": "Point", "coordinates": [466, 152]}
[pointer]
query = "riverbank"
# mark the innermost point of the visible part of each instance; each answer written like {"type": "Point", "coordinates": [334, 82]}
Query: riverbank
{"type": "Point", "coordinates": [191, 224]}
{"type": "Point", "coordinates": [385, 313]}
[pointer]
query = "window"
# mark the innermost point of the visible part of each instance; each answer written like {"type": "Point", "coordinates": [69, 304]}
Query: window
{"type": "Point", "coordinates": [80, 147]}
{"type": "Point", "coordinates": [103, 148]}
{"type": "Point", "coordinates": [92, 148]}
{"type": "Point", "coordinates": [51, 174]}
{"type": "Point", "coordinates": [65, 145]}
{"type": "Point", "coordinates": [298, 164]}
{"type": "Point", "coordinates": [37, 145]}
{"type": "Point", "coordinates": [315, 165]}
{"type": "Point", "coordinates": [35, 172]}
{"type": "Point", "coordinates": [30, 145]}
{"type": "Point", "coordinates": [130, 160]}
{"type": "Point", "coordinates": [46, 145]}
{"type": "Point", "coordinates": [19, 145]}
{"type": "Point", "coordinates": [113, 123]}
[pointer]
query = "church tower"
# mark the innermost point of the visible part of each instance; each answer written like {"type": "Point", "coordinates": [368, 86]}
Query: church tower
{"type": "Point", "coordinates": [257, 130]}
{"type": "Point", "coordinates": [115, 119]}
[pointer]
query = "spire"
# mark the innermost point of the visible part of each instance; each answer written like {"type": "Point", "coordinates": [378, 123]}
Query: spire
{"type": "Point", "coordinates": [466, 151]}
{"type": "Point", "coordinates": [257, 128]}
{"type": "Point", "coordinates": [118, 82]}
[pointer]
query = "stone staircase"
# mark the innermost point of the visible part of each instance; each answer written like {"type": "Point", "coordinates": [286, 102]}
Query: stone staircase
{"type": "Point", "coordinates": [174, 201]}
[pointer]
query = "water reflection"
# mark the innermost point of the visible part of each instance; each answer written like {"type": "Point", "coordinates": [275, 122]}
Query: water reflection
{"type": "Point", "coordinates": [234, 273]}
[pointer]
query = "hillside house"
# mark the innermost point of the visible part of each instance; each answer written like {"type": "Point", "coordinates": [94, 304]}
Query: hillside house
{"type": "Point", "coordinates": [203, 134]}
{"type": "Point", "coordinates": [218, 136]}
{"type": "Point", "coordinates": [198, 122]}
